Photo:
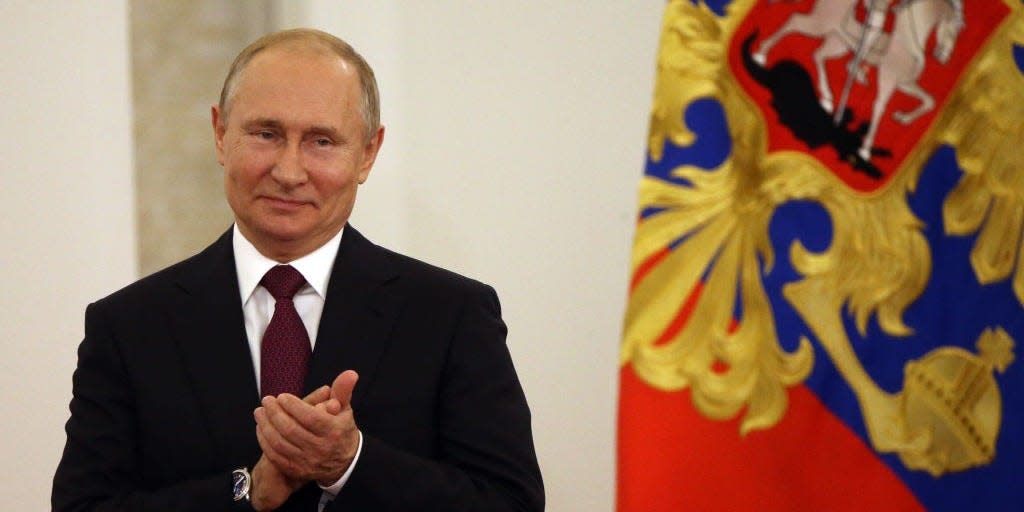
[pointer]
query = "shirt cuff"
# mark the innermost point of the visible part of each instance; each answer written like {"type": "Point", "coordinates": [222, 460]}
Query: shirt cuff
{"type": "Point", "coordinates": [335, 488]}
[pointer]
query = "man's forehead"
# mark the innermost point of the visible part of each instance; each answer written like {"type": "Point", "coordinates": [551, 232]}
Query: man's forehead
{"type": "Point", "coordinates": [294, 64]}
{"type": "Point", "coordinates": [283, 65]}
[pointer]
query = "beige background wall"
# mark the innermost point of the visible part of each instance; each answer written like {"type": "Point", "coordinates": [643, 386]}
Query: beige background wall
{"type": "Point", "coordinates": [514, 143]}
{"type": "Point", "coordinates": [180, 52]}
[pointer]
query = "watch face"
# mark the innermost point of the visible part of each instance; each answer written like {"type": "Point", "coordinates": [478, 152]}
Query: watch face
{"type": "Point", "coordinates": [241, 481]}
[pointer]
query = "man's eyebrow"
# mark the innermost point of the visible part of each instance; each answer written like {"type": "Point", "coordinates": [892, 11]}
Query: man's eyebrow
{"type": "Point", "coordinates": [261, 122]}
{"type": "Point", "coordinates": [328, 131]}
{"type": "Point", "coordinates": [266, 122]}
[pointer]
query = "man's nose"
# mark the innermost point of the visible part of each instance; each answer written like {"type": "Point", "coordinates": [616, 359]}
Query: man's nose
{"type": "Point", "coordinates": [289, 170]}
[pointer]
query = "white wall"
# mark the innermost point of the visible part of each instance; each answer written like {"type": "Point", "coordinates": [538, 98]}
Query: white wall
{"type": "Point", "coordinates": [515, 140]}
{"type": "Point", "coordinates": [66, 215]}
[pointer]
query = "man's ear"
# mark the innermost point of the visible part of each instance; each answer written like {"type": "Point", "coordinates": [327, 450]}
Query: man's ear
{"type": "Point", "coordinates": [370, 154]}
{"type": "Point", "coordinates": [218, 132]}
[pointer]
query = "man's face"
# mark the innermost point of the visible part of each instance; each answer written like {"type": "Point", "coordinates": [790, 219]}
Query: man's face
{"type": "Point", "coordinates": [293, 149]}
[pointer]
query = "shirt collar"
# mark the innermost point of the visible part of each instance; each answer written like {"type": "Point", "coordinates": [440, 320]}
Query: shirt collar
{"type": "Point", "coordinates": [250, 265]}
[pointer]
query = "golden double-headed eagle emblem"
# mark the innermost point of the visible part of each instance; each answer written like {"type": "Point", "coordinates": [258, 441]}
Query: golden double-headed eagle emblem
{"type": "Point", "coordinates": [947, 415]}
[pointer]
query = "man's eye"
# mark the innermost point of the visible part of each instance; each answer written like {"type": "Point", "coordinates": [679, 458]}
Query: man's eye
{"type": "Point", "coordinates": [323, 142]}
{"type": "Point", "coordinates": [263, 134]}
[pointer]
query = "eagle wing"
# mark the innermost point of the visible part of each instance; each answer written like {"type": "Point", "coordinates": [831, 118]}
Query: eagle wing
{"type": "Point", "coordinates": [984, 121]}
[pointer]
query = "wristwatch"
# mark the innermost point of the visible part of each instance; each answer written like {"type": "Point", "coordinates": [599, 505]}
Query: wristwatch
{"type": "Point", "coordinates": [242, 483]}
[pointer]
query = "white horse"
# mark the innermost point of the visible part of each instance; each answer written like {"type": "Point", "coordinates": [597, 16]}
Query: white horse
{"type": "Point", "coordinates": [900, 58]}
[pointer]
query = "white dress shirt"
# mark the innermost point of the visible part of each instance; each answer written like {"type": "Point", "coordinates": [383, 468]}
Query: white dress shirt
{"type": "Point", "coordinates": [258, 306]}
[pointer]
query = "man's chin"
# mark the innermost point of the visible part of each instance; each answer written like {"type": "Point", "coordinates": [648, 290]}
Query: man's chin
{"type": "Point", "coordinates": [289, 226]}
{"type": "Point", "coordinates": [287, 236]}
{"type": "Point", "coordinates": [283, 231]}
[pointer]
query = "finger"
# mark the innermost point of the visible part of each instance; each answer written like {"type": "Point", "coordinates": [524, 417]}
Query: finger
{"type": "Point", "coordinates": [291, 418]}
{"type": "Point", "coordinates": [331, 406]}
{"type": "Point", "coordinates": [318, 395]}
{"type": "Point", "coordinates": [273, 444]}
{"type": "Point", "coordinates": [312, 419]}
{"type": "Point", "coordinates": [341, 389]}
{"type": "Point", "coordinates": [283, 465]}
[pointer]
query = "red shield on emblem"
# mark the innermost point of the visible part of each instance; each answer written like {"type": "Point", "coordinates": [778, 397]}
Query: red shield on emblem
{"type": "Point", "coordinates": [856, 83]}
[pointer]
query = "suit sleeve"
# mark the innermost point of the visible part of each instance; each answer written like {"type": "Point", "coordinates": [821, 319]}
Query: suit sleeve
{"type": "Point", "coordinates": [99, 470]}
{"type": "Point", "coordinates": [486, 458]}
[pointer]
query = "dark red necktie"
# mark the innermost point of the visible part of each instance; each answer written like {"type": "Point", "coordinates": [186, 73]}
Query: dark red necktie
{"type": "Point", "coordinates": [284, 354]}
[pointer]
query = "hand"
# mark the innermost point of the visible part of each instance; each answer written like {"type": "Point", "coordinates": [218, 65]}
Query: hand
{"type": "Point", "coordinates": [310, 441]}
{"type": "Point", "coordinates": [271, 488]}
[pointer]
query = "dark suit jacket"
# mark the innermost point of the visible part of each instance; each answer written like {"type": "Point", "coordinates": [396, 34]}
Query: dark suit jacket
{"type": "Point", "coordinates": [164, 392]}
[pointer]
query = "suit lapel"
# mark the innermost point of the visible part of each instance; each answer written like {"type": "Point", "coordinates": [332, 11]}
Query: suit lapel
{"type": "Point", "coordinates": [359, 313]}
{"type": "Point", "coordinates": [209, 328]}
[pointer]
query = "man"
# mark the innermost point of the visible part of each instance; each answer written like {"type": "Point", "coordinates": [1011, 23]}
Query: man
{"type": "Point", "coordinates": [293, 302]}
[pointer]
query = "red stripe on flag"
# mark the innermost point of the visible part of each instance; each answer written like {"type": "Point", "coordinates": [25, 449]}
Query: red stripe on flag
{"type": "Point", "coordinates": [682, 316]}
{"type": "Point", "coordinates": [646, 266]}
{"type": "Point", "coordinates": [670, 458]}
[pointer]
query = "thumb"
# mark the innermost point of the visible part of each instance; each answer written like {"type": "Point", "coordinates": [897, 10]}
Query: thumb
{"type": "Point", "coordinates": [341, 390]}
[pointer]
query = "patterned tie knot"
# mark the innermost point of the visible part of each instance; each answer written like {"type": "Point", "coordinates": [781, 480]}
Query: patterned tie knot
{"type": "Point", "coordinates": [283, 281]}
